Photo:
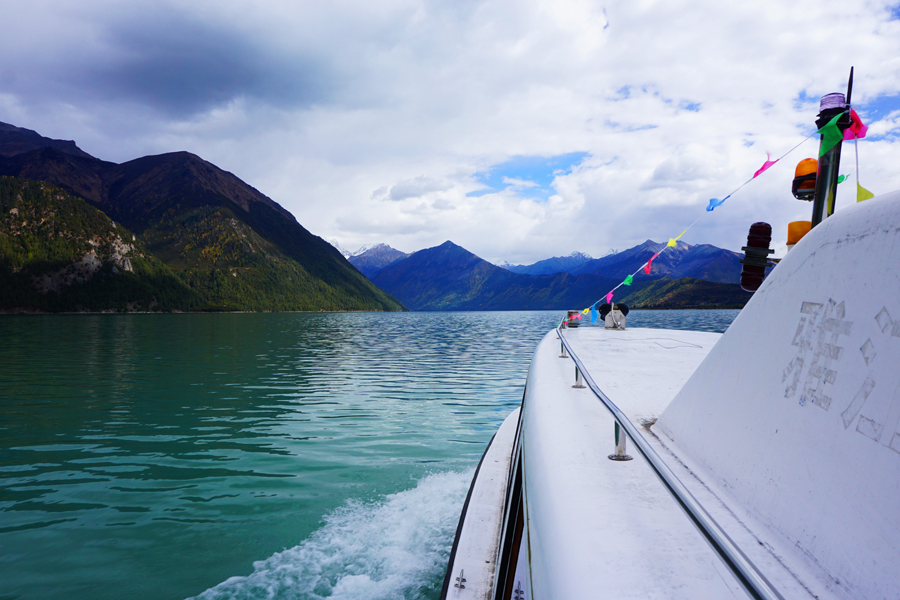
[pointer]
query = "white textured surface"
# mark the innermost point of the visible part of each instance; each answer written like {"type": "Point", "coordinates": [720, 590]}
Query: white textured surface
{"type": "Point", "coordinates": [476, 552]}
{"type": "Point", "coordinates": [599, 528]}
{"type": "Point", "coordinates": [793, 417]}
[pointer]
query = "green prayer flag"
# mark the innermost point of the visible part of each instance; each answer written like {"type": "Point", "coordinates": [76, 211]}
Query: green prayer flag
{"type": "Point", "coordinates": [628, 280]}
{"type": "Point", "coordinates": [831, 135]}
{"type": "Point", "coordinates": [862, 193]}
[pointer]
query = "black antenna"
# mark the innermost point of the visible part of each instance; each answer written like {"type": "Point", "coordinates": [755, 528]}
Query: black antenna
{"type": "Point", "coordinates": [850, 86]}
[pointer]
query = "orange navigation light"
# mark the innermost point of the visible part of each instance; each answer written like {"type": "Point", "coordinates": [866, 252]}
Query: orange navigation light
{"type": "Point", "coordinates": [796, 231]}
{"type": "Point", "coordinates": [804, 187]}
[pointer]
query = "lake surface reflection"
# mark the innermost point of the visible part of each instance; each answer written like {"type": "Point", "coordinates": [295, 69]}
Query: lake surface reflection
{"type": "Point", "coordinates": [156, 456]}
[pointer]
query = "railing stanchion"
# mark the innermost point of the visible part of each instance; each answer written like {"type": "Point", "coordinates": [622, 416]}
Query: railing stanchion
{"type": "Point", "coordinates": [579, 381]}
{"type": "Point", "coordinates": [744, 570]}
{"type": "Point", "coordinates": [621, 442]}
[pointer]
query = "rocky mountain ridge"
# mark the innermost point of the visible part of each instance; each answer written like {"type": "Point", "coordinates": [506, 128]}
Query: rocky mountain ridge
{"type": "Point", "coordinates": [449, 277]}
{"type": "Point", "coordinates": [233, 246]}
{"type": "Point", "coordinates": [701, 261]}
{"type": "Point", "coordinates": [57, 253]}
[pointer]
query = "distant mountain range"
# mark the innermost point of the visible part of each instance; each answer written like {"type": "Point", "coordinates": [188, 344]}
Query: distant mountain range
{"type": "Point", "coordinates": [226, 244]}
{"type": "Point", "coordinates": [702, 261]}
{"type": "Point", "coordinates": [550, 266]}
{"type": "Point", "coordinates": [449, 277]}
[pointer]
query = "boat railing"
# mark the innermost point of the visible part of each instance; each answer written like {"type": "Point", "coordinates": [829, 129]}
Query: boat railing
{"type": "Point", "coordinates": [740, 565]}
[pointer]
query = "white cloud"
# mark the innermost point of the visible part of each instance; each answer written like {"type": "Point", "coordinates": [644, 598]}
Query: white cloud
{"type": "Point", "coordinates": [417, 187]}
{"type": "Point", "coordinates": [332, 109]}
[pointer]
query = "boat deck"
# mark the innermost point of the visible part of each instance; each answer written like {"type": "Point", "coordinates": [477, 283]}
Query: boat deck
{"type": "Point", "coordinates": [601, 525]}
{"type": "Point", "coordinates": [614, 522]}
{"type": "Point", "coordinates": [766, 459]}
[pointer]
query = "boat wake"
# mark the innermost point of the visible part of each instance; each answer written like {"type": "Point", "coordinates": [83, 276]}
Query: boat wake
{"type": "Point", "coordinates": [394, 548]}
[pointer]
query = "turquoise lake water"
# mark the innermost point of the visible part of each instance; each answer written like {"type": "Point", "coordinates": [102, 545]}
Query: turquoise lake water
{"type": "Point", "coordinates": [251, 455]}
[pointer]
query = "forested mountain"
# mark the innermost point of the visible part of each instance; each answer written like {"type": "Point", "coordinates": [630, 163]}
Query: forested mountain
{"type": "Point", "coordinates": [57, 253]}
{"type": "Point", "coordinates": [234, 247]}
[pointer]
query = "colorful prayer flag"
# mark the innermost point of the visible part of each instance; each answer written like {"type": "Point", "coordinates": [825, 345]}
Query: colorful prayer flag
{"type": "Point", "coordinates": [609, 298]}
{"type": "Point", "coordinates": [585, 311]}
{"type": "Point", "coordinates": [831, 135]}
{"type": "Point", "coordinates": [765, 166]}
{"type": "Point", "coordinates": [674, 241]}
{"type": "Point", "coordinates": [594, 314]}
{"type": "Point", "coordinates": [862, 193]}
{"type": "Point", "coordinates": [628, 280]}
{"type": "Point", "coordinates": [714, 202]}
{"type": "Point", "coordinates": [647, 266]}
{"type": "Point", "coordinates": [857, 129]}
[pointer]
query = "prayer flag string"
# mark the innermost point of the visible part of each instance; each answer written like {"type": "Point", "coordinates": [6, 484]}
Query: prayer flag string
{"type": "Point", "coordinates": [649, 262]}
{"type": "Point", "coordinates": [714, 202]}
{"type": "Point", "coordinates": [765, 166]}
{"type": "Point", "coordinates": [831, 135]}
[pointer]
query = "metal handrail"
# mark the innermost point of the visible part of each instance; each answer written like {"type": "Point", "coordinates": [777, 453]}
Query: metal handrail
{"type": "Point", "coordinates": [743, 568]}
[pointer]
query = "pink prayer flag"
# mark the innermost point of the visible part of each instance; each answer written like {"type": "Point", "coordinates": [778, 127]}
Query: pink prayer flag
{"type": "Point", "coordinates": [609, 297]}
{"type": "Point", "coordinates": [857, 129]}
{"type": "Point", "coordinates": [765, 166]}
{"type": "Point", "coordinates": [647, 266]}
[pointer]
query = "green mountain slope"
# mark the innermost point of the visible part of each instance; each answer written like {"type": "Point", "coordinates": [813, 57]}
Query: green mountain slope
{"type": "Point", "coordinates": [57, 253]}
{"type": "Point", "coordinates": [235, 247]}
{"type": "Point", "coordinates": [687, 293]}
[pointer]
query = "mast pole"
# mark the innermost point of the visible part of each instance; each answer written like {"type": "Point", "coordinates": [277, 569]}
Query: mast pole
{"type": "Point", "coordinates": [830, 162]}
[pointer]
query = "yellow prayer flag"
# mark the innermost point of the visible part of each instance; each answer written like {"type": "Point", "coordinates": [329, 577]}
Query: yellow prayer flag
{"type": "Point", "coordinates": [673, 241]}
{"type": "Point", "coordinates": [862, 193]}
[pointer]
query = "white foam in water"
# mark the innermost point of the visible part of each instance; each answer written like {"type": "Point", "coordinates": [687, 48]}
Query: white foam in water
{"type": "Point", "coordinates": [391, 549]}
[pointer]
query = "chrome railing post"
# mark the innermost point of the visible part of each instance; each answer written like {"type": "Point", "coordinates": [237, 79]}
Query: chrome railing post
{"type": "Point", "coordinates": [621, 443]}
{"type": "Point", "coordinates": [754, 582]}
{"type": "Point", "coordinates": [579, 380]}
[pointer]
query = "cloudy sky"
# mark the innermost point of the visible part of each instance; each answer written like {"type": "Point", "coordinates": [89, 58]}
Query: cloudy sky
{"type": "Point", "coordinates": [517, 129]}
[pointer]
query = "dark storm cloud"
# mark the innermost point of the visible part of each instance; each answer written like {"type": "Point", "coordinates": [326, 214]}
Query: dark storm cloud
{"type": "Point", "coordinates": [182, 66]}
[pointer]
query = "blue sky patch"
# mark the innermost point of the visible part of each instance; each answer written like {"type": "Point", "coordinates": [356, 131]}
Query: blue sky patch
{"type": "Point", "coordinates": [877, 108]}
{"type": "Point", "coordinates": [528, 176]}
{"type": "Point", "coordinates": [872, 110]}
{"type": "Point", "coordinates": [802, 101]}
